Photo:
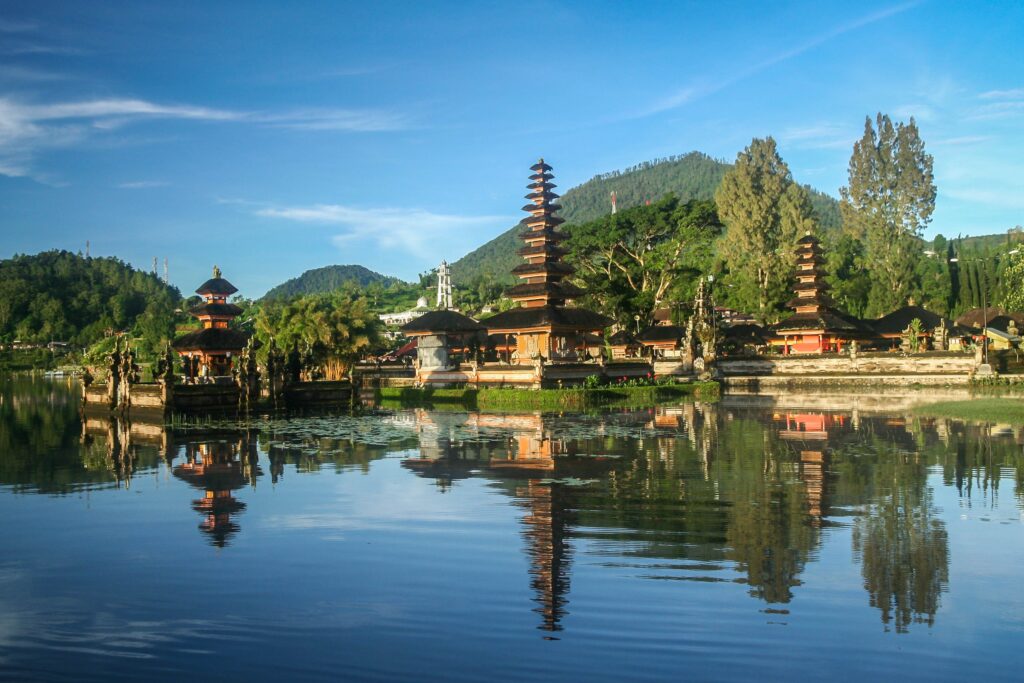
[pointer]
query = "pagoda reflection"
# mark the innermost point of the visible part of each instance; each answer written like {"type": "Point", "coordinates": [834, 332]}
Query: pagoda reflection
{"type": "Point", "coordinates": [219, 468]}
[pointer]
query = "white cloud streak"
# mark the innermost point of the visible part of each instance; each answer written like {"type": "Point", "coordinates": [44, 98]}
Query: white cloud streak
{"type": "Point", "coordinates": [142, 184]}
{"type": "Point", "coordinates": [26, 129]}
{"type": "Point", "coordinates": [415, 231]}
{"type": "Point", "coordinates": [698, 91]}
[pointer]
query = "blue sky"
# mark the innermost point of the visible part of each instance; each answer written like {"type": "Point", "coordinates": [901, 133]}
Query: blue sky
{"type": "Point", "coordinates": [270, 138]}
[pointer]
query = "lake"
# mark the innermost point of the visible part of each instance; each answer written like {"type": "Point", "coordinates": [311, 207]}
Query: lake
{"type": "Point", "coordinates": [733, 540]}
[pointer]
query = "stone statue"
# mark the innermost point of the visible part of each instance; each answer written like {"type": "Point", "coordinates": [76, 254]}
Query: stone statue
{"type": "Point", "coordinates": [114, 373]}
{"type": "Point", "coordinates": [941, 336]}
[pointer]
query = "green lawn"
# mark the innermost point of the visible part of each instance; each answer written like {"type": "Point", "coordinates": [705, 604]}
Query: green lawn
{"type": "Point", "coordinates": [1006, 409]}
{"type": "Point", "coordinates": [548, 399]}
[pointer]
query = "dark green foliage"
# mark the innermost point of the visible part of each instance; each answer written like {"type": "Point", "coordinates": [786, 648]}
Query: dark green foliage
{"type": "Point", "coordinates": [641, 258]}
{"type": "Point", "coordinates": [688, 176]}
{"type": "Point", "coordinates": [327, 279]}
{"type": "Point", "coordinates": [60, 296]}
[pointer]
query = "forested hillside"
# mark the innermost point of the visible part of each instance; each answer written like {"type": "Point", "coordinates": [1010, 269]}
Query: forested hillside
{"type": "Point", "coordinates": [688, 176]}
{"type": "Point", "coordinates": [60, 296]}
{"type": "Point", "coordinates": [327, 279]}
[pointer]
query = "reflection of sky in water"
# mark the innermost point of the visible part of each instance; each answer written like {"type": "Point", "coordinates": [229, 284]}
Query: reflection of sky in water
{"type": "Point", "coordinates": [423, 545]}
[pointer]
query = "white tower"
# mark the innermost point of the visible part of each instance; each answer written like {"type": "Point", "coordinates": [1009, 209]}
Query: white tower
{"type": "Point", "coordinates": [444, 286]}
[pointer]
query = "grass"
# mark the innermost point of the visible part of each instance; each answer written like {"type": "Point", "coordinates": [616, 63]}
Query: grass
{"type": "Point", "coordinates": [1002, 410]}
{"type": "Point", "coordinates": [577, 398]}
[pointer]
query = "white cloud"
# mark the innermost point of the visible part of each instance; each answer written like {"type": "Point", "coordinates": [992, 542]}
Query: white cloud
{"type": "Point", "coordinates": [697, 91]}
{"type": "Point", "coordinates": [1011, 94]}
{"type": "Point", "coordinates": [28, 128]}
{"type": "Point", "coordinates": [143, 184]}
{"type": "Point", "coordinates": [415, 231]}
{"type": "Point", "coordinates": [819, 136]}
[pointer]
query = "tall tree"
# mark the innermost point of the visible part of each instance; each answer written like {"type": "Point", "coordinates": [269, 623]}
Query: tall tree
{"type": "Point", "coordinates": [1013, 283]}
{"type": "Point", "coordinates": [887, 204]}
{"type": "Point", "coordinates": [764, 212]}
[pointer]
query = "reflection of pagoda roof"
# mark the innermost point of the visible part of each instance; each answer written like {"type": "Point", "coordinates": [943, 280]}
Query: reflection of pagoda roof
{"type": "Point", "coordinates": [547, 267]}
{"type": "Point", "coordinates": [442, 321]}
{"type": "Point", "coordinates": [662, 333]}
{"type": "Point", "coordinates": [215, 476]}
{"type": "Point", "coordinates": [217, 285]}
{"type": "Point", "coordinates": [218, 505]}
{"type": "Point", "coordinates": [557, 290]}
{"type": "Point", "coordinates": [214, 309]}
{"type": "Point", "coordinates": [213, 339]}
{"type": "Point", "coordinates": [548, 316]}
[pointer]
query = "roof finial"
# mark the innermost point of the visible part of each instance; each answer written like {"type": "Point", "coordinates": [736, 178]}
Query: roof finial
{"type": "Point", "coordinates": [216, 272]}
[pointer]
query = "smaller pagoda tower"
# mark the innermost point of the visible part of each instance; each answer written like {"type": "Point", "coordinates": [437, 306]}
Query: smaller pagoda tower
{"type": "Point", "coordinates": [816, 327]}
{"type": "Point", "coordinates": [216, 343]}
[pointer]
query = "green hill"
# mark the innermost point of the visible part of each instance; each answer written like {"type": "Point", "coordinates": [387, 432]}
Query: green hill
{"type": "Point", "coordinates": [61, 296]}
{"type": "Point", "coordinates": [327, 279]}
{"type": "Point", "coordinates": [688, 176]}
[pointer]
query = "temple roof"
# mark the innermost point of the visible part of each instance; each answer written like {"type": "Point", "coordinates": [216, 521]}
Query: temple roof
{"type": "Point", "coordinates": [213, 339]}
{"type": "Point", "coordinates": [442, 321]}
{"type": "Point", "coordinates": [548, 316]}
{"type": "Point", "coordinates": [548, 267]}
{"type": "Point", "coordinates": [827, 320]}
{"type": "Point", "coordinates": [814, 258]}
{"type": "Point", "coordinates": [747, 333]}
{"type": "Point", "coordinates": [542, 184]}
{"type": "Point", "coordinates": [808, 239]}
{"type": "Point", "coordinates": [542, 249]}
{"type": "Point", "coordinates": [898, 320]}
{"type": "Point", "coordinates": [550, 221]}
{"type": "Point", "coordinates": [662, 333]}
{"type": "Point", "coordinates": [546, 196]}
{"type": "Point", "coordinates": [978, 316]}
{"type": "Point", "coordinates": [547, 233]}
{"type": "Point", "coordinates": [220, 310]}
{"type": "Point", "coordinates": [622, 338]}
{"type": "Point", "coordinates": [540, 166]}
{"type": "Point", "coordinates": [546, 208]}
{"type": "Point", "coordinates": [820, 299]}
{"type": "Point", "coordinates": [562, 290]}
{"type": "Point", "coordinates": [216, 285]}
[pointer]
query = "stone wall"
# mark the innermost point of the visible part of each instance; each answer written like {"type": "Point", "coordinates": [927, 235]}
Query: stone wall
{"type": "Point", "coordinates": [843, 364]}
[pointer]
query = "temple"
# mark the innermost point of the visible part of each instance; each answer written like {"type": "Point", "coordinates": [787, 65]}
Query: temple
{"type": "Point", "coordinates": [216, 343]}
{"type": "Point", "coordinates": [545, 328]}
{"type": "Point", "coordinates": [816, 327]}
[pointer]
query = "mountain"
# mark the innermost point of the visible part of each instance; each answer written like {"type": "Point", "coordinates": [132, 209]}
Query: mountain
{"type": "Point", "coordinates": [327, 279]}
{"type": "Point", "coordinates": [61, 296]}
{"type": "Point", "coordinates": [688, 176]}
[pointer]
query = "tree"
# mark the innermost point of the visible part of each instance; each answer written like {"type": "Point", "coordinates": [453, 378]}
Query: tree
{"type": "Point", "coordinates": [338, 328]}
{"type": "Point", "coordinates": [636, 260]}
{"type": "Point", "coordinates": [888, 202]}
{"type": "Point", "coordinates": [1013, 283]}
{"type": "Point", "coordinates": [764, 212]}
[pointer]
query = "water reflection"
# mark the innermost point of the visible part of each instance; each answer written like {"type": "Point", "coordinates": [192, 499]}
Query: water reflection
{"type": "Point", "coordinates": [741, 491]}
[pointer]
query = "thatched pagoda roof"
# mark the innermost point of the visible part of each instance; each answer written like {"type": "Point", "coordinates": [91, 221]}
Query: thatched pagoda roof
{"type": "Point", "coordinates": [442, 322]}
{"type": "Point", "coordinates": [213, 339]}
{"type": "Point", "coordinates": [547, 316]}
{"type": "Point", "coordinates": [662, 333]}
{"type": "Point", "coordinates": [900, 319]}
{"type": "Point", "coordinates": [557, 290]}
{"type": "Point", "coordinates": [223, 310]}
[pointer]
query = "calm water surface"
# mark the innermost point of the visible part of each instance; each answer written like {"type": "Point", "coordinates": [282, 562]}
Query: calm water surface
{"type": "Point", "coordinates": [727, 541]}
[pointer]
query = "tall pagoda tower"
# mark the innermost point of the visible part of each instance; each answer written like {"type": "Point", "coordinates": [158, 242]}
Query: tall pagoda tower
{"type": "Point", "coordinates": [816, 327]}
{"type": "Point", "coordinates": [543, 325]}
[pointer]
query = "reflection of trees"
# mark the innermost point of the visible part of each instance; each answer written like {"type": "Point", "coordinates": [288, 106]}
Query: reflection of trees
{"type": "Point", "coordinates": [903, 549]}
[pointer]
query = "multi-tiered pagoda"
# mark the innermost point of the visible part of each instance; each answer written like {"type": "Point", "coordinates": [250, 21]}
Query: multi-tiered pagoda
{"type": "Point", "coordinates": [816, 327]}
{"type": "Point", "coordinates": [216, 343]}
{"type": "Point", "coordinates": [543, 326]}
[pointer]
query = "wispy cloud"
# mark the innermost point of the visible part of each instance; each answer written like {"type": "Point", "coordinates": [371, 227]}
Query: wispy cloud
{"type": "Point", "coordinates": [28, 128]}
{"type": "Point", "coordinates": [8, 26]}
{"type": "Point", "coordinates": [411, 230]}
{"type": "Point", "coordinates": [819, 136]}
{"type": "Point", "coordinates": [699, 90]}
{"type": "Point", "coordinates": [15, 72]}
{"type": "Point", "coordinates": [920, 112]}
{"type": "Point", "coordinates": [142, 184]}
{"type": "Point", "coordinates": [1011, 94]}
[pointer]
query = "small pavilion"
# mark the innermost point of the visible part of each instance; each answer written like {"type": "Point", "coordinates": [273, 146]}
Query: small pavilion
{"type": "Point", "coordinates": [816, 327]}
{"type": "Point", "coordinates": [216, 343]}
{"type": "Point", "coordinates": [441, 334]}
{"type": "Point", "coordinates": [545, 328]}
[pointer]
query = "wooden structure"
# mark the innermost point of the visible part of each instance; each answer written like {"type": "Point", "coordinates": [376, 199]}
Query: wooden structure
{"type": "Point", "coordinates": [816, 327]}
{"type": "Point", "coordinates": [215, 345]}
{"type": "Point", "coordinates": [545, 328]}
{"type": "Point", "coordinates": [439, 336]}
